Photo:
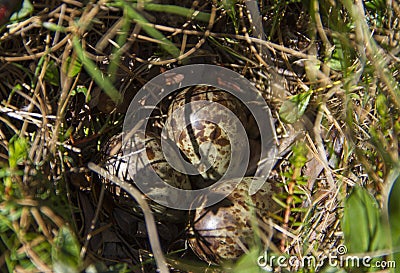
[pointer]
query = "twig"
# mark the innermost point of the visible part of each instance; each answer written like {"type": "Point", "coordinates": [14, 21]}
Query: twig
{"type": "Point", "coordinates": [321, 149]}
{"type": "Point", "coordinates": [148, 216]}
{"type": "Point", "coordinates": [320, 28]}
{"type": "Point", "coordinates": [36, 55]}
{"type": "Point", "coordinates": [198, 44]}
{"type": "Point", "coordinates": [93, 224]}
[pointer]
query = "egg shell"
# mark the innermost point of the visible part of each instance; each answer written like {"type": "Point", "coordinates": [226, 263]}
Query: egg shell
{"type": "Point", "coordinates": [218, 231]}
{"type": "Point", "coordinates": [131, 157]}
{"type": "Point", "coordinates": [193, 138]}
{"type": "Point", "coordinates": [127, 161]}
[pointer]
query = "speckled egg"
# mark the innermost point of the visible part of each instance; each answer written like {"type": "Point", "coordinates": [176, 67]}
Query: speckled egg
{"type": "Point", "coordinates": [197, 138]}
{"type": "Point", "coordinates": [217, 232]}
{"type": "Point", "coordinates": [128, 162]}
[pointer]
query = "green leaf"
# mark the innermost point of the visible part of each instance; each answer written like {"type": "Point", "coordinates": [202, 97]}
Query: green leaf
{"type": "Point", "coordinates": [4, 172]}
{"type": "Point", "coordinates": [74, 68]}
{"type": "Point", "coordinates": [343, 54]}
{"type": "Point", "coordinates": [65, 252]}
{"type": "Point", "coordinates": [292, 109]}
{"type": "Point", "coordinates": [80, 89]}
{"type": "Point", "coordinates": [381, 105]}
{"type": "Point", "coordinates": [335, 63]}
{"type": "Point", "coordinates": [337, 58]}
{"type": "Point", "coordinates": [299, 157]}
{"type": "Point", "coordinates": [17, 151]}
{"type": "Point", "coordinates": [26, 10]}
{"type": "Point", "coordinates": [248, 262]}
{"type": "Point", "coordinates": [52, 74]}
{"type": "Point", "coordinates": [361, 224]}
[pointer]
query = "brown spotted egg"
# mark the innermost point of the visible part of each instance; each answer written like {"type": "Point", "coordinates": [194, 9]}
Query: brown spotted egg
{"type": "Point", "coordinates": [129, 160]}
{"type": "Point", "coordinates": [219, 232]}
{"type": "Point", "coordinates": [196, 139]}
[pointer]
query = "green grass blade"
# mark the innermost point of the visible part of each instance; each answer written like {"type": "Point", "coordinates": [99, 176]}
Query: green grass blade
{"type": "Point", "coordinates": [94, 71]}
{"type": "Point", "coordinates": [166, 44]}
{"type": "Point", "coordinates": [182, 11]}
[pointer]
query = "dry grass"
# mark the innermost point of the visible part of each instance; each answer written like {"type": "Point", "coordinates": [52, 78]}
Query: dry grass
{"type": "Point", "coordinates": [56, 105]}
